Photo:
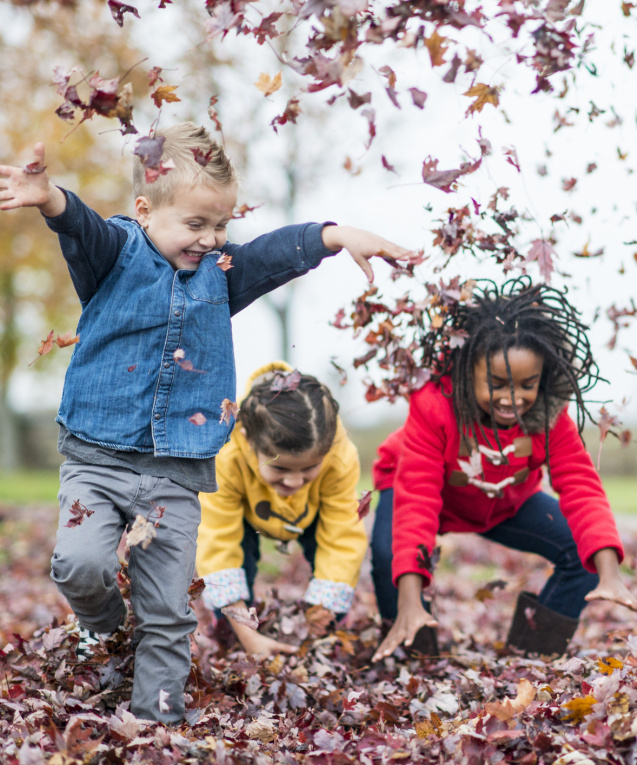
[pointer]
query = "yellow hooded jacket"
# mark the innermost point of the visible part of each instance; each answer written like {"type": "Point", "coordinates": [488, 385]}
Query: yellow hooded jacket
{"type": "Point", "coordinates": [340, 535]}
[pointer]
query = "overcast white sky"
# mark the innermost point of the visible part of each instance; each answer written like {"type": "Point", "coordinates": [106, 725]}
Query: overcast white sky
{"type": "Point", "coordinates": [394, 205]}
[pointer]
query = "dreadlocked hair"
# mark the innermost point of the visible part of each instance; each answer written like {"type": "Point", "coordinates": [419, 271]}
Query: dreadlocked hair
{"type": "Point", "coordinates": [516, 315]}
{"type": "Point", "coordinates": [294, 417]}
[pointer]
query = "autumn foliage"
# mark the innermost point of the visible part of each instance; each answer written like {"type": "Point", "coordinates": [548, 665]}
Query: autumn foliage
{"type": "Point", "coordinates": [476, 703]}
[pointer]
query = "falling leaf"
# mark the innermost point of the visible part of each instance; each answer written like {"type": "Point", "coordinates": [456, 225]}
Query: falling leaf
{"type": "Point", "coordinates": [318, 618]}
{"type": "Point", "coordinates": [78, 513]}
{"type": "Point", "coordinates": [196, 589]}
{"type": "Point", "coordinates": [165, 93]}
{"type": "Point", "coordinates": [244, 616]}
{"type": "Point", "coordinates": [542, 252]}
{"type": "Point", "coordinates": [34, 168]}
{"type": "Point", "coordinates": [364, 504]}
{"type": "Point", "coordinates": [426, 561]}
{"type": "Point", "coordinates": [118, 10]}
{"type": "Point", "coordinates": [69, 338]}
{"type": "Point", "coordinates": [164, 706]}
{"type": "Point", "coordinates": [45, 346]}
{"type": "Point", "coordinates": [269, 85]}
{"type": "Point", "coordinates": [197, 419]}
{"type": "Point", "coordinates": [142, 532]}
{"type": "Point", "coordinates": [419, 97]}
{"type": "Point", "coordinates": [483, 94]}
{"type": "Point", "coordinates": [229, 409]}
{"type": "Point", "coordinates": [437, 48]}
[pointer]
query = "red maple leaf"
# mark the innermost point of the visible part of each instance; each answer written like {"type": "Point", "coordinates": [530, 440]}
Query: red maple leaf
{"type": "Point", "coordinates": [118, 10]}
{"type": "Point", "coordinates": [78, 513]}
{"type": "Point", "coordinates": [542, 252]}
{"type": "Point", "coordinates": [197, 419]}
{"type": "Point", "coordinates": [364, 504]}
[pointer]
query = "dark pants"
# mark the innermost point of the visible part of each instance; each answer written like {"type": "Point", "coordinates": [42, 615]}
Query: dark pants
{"type": "Point", "coordinates": [252, 552]}
{"type": "Point", "coordinates": [538, 527]}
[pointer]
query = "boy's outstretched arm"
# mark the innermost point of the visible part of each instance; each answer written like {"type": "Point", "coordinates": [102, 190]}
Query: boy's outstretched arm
{"type": "Point", "coordinates": [610, 585]}
{"type": "Point", "coordinates": [31, 187]}
{"type": "Point", "coordinates": [363, 245]}
{"type": "Point", "coordinates": [411, 616]}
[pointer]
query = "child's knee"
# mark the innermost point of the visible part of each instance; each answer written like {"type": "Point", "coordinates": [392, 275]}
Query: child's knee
{"type": "Point", "coordinates": [82, 570]}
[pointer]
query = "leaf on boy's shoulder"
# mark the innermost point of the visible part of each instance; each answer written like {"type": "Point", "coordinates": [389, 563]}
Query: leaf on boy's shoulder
{"type": "Point", "coordinates": [224, 262]}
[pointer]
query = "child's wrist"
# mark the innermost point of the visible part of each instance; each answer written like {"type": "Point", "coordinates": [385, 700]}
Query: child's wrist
{"type": "Point", "coordinates": [606, 562]}
{"type": "Point", "coordinates": [331, 238]}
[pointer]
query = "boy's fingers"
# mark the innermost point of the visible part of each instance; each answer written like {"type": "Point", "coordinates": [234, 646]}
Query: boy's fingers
{"type": "Point", "coordinates": [38, 153]}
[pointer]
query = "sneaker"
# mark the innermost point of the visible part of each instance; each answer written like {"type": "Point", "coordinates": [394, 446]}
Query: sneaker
{"type": "Point", "coordinates": [88, 640]}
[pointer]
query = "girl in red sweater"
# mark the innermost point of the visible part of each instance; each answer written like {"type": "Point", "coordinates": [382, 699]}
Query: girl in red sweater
{"type": "Point", "coordinates": [470, 457]}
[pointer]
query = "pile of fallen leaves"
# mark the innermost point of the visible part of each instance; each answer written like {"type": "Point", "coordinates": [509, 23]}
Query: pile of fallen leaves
{"type": "Point", "coordinates": [475, 703]}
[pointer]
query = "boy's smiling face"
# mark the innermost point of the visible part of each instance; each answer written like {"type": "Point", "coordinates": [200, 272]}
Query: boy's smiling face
{"type": "Point", "coordinates": [193, 224]}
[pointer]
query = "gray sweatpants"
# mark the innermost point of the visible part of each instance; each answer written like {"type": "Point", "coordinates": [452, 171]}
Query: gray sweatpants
{"type": "Point", "coordinates": [85, 566]}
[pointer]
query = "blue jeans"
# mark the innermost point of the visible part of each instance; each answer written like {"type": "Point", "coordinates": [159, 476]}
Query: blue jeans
{"type": "Point", "coordinates": [538, 527]}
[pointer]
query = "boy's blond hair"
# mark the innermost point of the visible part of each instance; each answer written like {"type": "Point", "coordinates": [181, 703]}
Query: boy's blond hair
{"type": "Point", "coordinates": [183, 144]}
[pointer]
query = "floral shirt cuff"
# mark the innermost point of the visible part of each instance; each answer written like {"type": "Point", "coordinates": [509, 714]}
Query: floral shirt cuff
{"type": "Point", "coordinates": [335, 596]}
{"type": "Point", "coordinates": [225, 587]}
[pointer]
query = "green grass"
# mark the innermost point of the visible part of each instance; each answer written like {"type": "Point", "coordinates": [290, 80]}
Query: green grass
{"type": "Point", "coordinates": [622, 493]}
{"type": "Point", "coordinates": [29, 487]}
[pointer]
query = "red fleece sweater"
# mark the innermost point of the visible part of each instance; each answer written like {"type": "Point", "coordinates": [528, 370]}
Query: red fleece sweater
{"type": "Point", "coordinates": [421, 462]}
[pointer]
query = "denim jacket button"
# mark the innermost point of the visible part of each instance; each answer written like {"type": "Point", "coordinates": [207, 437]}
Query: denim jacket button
{"type": "Point", "coordinates": [158, 416]}
{"type": "Point", "coordinates": [166, 364]}
{"type": "Point", "coordinates": [177, 313]}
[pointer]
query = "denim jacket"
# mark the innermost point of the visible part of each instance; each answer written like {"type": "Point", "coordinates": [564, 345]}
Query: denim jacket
{"type": "Point", "coordinates": [155, 346]}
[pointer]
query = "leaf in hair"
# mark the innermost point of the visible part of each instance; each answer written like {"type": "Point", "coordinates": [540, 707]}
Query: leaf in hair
{"type": "Point", "coordinates": [285, 381]}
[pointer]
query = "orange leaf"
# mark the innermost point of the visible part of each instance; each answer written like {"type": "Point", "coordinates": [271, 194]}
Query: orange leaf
{"type": "Point", "coordinates": [62, 341]}
{"type": "Point", "coordinates": [579, 708]}
{"type": "Point", "coordinates": [45, 346]}
{"type": "Point", "coordinates": [505, 710]}
{"type": "Point", "coordinates": [610, 665]}
{"type": "Point", "coordinates": [269, 85]}
{"type": "Point", "coordinates": [165, 93]}
{"type": "Point", "coordinates": [437, 48]}
{"type": "Point", "coordinates": [483, 94]}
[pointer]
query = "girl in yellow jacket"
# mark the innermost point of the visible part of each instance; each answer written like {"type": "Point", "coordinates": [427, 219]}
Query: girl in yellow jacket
{"type": "Point", "coordinates": [289, 472]}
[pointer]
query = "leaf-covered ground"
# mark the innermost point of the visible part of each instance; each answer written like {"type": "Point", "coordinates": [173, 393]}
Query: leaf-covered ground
{"type": "Point", "coordinates": [477, 703]}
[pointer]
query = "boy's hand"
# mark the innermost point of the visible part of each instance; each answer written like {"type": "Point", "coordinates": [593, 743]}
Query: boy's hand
{"type": "Point", "coordinates": [31, 187]}
{"type": "Point", "coordinates": [363, 245]}
{"type": "Point", "coordinates": [610, 585]}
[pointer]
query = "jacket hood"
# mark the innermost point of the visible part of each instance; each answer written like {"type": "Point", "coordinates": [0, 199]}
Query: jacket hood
{"type": "Point", "coordinates": [264, 373]}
